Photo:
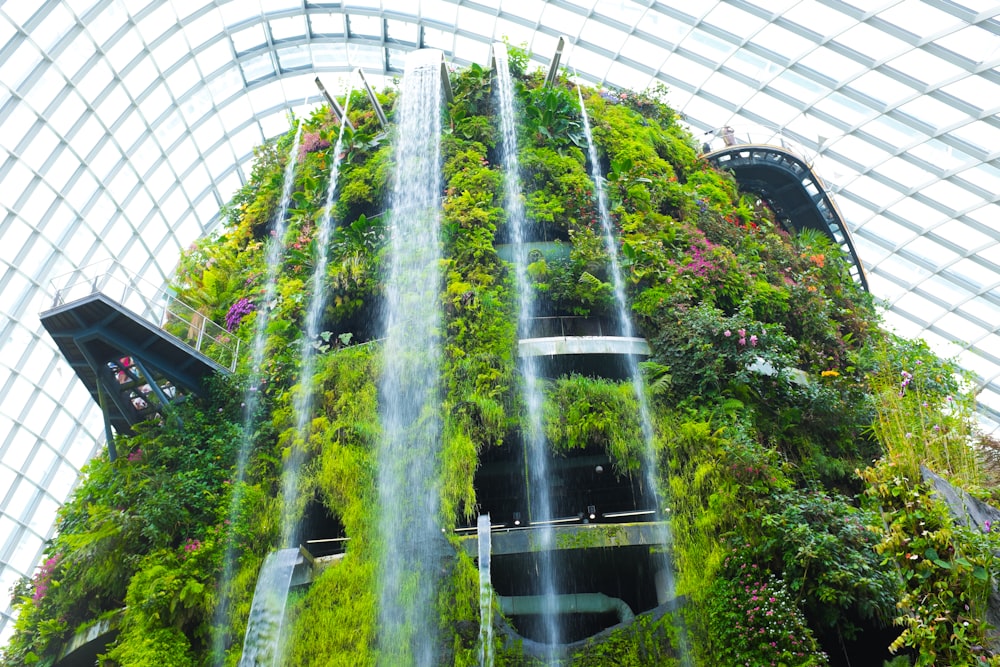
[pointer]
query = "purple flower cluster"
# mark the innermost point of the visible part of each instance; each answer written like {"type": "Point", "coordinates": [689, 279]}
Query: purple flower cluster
{"type": "Point", "coordinates": [905, 383]}
{"type": "Point", "coordinates": [312, 142]}
{"type": "Point", "coordinates": [237, 312]}
{"type": "Point", "coordinates": [699, 265]}
{"type": "Point", "coordinates": [135, 456]}
{"type": "Point", "coordinates": [191, 546]}
{"type": "Point", "coordinates": [44, 577]}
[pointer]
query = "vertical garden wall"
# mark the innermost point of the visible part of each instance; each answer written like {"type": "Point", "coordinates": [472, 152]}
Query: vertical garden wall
{"type": "Point", "coordinates": [789, 428]}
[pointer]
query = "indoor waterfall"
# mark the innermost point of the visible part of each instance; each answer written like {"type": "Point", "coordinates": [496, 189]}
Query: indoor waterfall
{"type": "Point", "coordinates": [251, 400]}
{"type": "Point", "coordinates": [485, 593]}
{"type": "Point", "coordinates": [411, 539]}
{"type": "Point", "coordinates": [262, 643]}
{"type": "Point", "coordinates": [539, 495]}
{"type": "Point", "coordinates": [307, 359]}
{"type": "Point", "coordinates": [664, 571]}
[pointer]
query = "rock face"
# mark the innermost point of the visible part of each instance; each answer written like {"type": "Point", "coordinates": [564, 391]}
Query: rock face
{"type": "Point", "coordinates": [975, 514]}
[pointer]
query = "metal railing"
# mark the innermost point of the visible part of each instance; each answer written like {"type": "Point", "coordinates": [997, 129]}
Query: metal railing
{"type": "Point", "coordinates": [153, 304]}
{"type": "Point", "coordinates": [572, 325]}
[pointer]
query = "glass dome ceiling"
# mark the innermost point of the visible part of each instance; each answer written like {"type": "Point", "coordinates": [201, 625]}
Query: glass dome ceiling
{"type": "Point", "coordinates": [125, 124]}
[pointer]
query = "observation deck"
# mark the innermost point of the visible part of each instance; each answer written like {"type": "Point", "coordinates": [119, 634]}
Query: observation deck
{"type": "Point", "coordinates": [136, 347]}
{"type": "Point", "coordinates": [590, 345]}
{"type": "Point", "coordinates": [789, 185]}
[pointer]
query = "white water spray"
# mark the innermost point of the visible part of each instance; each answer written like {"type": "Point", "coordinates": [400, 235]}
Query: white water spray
{"type": "Point", "coordinates": [303, 403]}
{"type": "Point", "coordinates": [251, 401]}
{"type": "Point", "coordinates": [539, 493]}
{"type": "Point", "coordinates": [412, 546]}
{"type": "Point", "coordinates": [262, 643]}
{"type": "Point", "coordinates": [485, 593]}
{"type": "Point", "coordinates": [663, 566]}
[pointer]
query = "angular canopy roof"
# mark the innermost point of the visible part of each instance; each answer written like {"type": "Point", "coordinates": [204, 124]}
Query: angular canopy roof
{"type": "Point", "coordinates": [126, 124]}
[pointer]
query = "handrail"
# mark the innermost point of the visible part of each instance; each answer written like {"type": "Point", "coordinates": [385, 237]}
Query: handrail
{"type": "Point", "coordinates": [572, 325]}
{"type": "Point", "coordinates": [153, 304]}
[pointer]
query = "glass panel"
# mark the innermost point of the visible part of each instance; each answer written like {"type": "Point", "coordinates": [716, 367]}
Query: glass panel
{"type": "Point", "coordinates": [872, 42]}
{"type": "Point", "coordinates": [893, 132]}
{"type": "Point", "coordinates": [76, 55]}
{"type": "Point", "coordinates": [952, 196]}
{"type": "Point", "coordinates": [931, 252]}
{"type": "Point", "coordinates": [962, 234]}
{"type": "Point", "coordinates": [945, 290]}
{"type": "Point", "coordinates": [919, 215]}
{"type": "Point", "coordinates": [157, 22]}
{"type": "Point", "coordinates": [49, 84]}
{"type": "Point", "coordinates": [941, 155]}
{"type": "Point", "coordinates": [881, 88]}
{"type": "Point", "coordinates": [249, 38]}
{"type": "Point", "coordinates": [873, 192]}
{"type": "Point", "coordinates": [974, 90]}
{"type": "Point", "coordinates": [287, 28]}
{"type": "Point", "coordinates": [140, 77]}
{"type": "Point", "coordinates": [43, 143]}
{"type": "Point", "coordinates": [918, 18]}
{"type": "Point", "coordinates": [971, 42]}
{"type": "Point", "coordinates": [922, 66]}
{"type": "Point", "coordinates": [934, 113]}
{"type": "Point", "coordinates": [294, 57]}
{"type": "Point", "coordinates": [641, 51]}
{"type": "Point", "coordinates": [734, 20]}
{"type": "Point", "coordinates": [727, 88]}
{"type": "Point", "coordinates": [365, 26]}
{"type": "Point", "coordinates": [25, 555]}
{"type": "Point", "coordinates": [257, 67]}
{"type": "Point", "coordinates": [622, 11]}
{"type": "Point", "coordinates": [214, 57]}
{"type": "Point", "coordinates": [831, 64]}
{"type": "Point", "coordinates": [973, 272]}
{"type": "Point", "coordinates": [604, 35]}
{"type": "Point", "coordinates": [112, 106]}
{"type": "Point", "coordinates": [978, 134]}
{"type": "Point", "coordinates": [569, 22]}
{"type": "Point", "coordinates": [205, 27]}
{"type": "Point", "coordinates": [782, 41]}
{"type": "Point", "coordinates": [919, 308]}
{"type": "Point", "coordinates": [327, 24]}
{"type": "Point", "coordinates": [845, 109]}
{"type": "Point", "coordinates": [402, 31]}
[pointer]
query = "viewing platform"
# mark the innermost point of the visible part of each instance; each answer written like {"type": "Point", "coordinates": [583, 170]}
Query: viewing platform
{"type": "Point", "coordinates": [558, 335]}
{"type": "Point", "coordinates": [787, 182]}
{"type": "Point", "coordinates": [136, 347]}
{"type": "Point", "coordinates": [588, 345]}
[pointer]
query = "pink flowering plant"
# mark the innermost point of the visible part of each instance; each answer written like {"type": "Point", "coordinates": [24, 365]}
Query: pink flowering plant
{"type": "Point", "coordinates": [753, 619]}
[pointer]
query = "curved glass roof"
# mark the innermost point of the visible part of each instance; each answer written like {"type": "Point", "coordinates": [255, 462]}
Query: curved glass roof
{"type": "Point", "coordinates": [125, 124]}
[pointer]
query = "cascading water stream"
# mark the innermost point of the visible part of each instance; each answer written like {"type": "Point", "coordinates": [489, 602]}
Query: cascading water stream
{"type": "Point", "coordinates": [539, 493]}
{"type": "Point", "coordinates": [411, 544]}
{"type": "Point", "coordinates": [664, 567]}
{"type": "Point", "coordinates": [303, 403]}
{"type": "Point", "coordinates": [251, 401]}
{"type": "Point", "coordinates": [485, 593]}
{"type": "Point", "coordinates": [261, 645]}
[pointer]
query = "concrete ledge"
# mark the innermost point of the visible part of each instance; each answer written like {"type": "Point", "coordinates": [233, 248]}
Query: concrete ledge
{"type": "Point", "coordinates": [563, 345]}
{"type": "Point", "coordinates": [507, 541]}
{"type": "Point", "coordinates": [83, 647]}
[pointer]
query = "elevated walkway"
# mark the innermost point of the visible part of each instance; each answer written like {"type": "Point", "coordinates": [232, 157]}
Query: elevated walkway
{"type": "Point", "coordinates": [588, 345]}
{"type": "Point", "coordinates": [135, 347]}
{"type": "Point", "coordinates": [790, 186]}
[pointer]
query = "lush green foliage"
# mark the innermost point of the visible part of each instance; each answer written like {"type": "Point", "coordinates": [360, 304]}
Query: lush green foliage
{"type": "Point", "coordinates": [770, 385]}
{"type": "Point", "coordinates": [754, 619]}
